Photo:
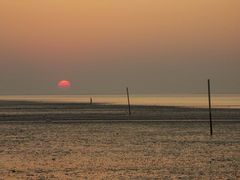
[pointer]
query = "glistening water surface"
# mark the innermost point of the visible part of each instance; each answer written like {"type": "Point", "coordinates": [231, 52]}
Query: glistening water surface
{"type": "Point", "coordinates": [193, 100]}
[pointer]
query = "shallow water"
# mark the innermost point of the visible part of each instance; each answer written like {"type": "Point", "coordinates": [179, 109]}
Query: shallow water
{"type": "Point", "coordinates": [191, 100]}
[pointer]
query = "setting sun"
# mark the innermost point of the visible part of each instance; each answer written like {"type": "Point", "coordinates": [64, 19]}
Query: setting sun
{"type": "Point", "coordinates": [119, 89]}
{"type": "Point", "coordinates": [64, 84]}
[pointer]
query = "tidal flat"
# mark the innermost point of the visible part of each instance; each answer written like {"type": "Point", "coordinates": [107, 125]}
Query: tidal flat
{"type": "Point", "coordinates": [37, 111]}
{"type": "Point", "coordinates": [119, 150]}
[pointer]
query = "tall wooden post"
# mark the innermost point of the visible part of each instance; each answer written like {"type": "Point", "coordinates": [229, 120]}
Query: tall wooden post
{"type": "Point", "coordinates": [129, 105]}
{"type": "Point", "coordinates": [210, 107]}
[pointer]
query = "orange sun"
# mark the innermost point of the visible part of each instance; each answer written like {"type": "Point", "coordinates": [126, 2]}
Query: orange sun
{"type": "Point", "coordinates": [64, 84]}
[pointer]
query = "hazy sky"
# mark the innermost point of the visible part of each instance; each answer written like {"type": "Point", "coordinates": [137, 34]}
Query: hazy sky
{"type": "Point", "coordinates": [102, 46]}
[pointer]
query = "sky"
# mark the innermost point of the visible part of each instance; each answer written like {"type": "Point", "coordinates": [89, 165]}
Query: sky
{"type": "Point", "coordinates": [151, 46]}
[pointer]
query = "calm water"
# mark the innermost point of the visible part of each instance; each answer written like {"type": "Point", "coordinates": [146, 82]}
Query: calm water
{"type": "Point", "coordinates": [196, 100]}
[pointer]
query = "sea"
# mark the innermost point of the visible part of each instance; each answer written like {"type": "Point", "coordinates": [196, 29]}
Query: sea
{"type": "Point", "coordinates": [185, 100]}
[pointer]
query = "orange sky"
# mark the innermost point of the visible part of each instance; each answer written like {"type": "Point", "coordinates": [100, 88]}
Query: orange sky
{"type": "Point", "coordinates": [113, 32]}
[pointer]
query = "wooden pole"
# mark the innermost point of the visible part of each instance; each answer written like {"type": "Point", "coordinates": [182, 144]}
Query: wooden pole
{"type": "Point", "coordinates": [129, 105]}
{"type": "Point", "coordinates": [210, 107]}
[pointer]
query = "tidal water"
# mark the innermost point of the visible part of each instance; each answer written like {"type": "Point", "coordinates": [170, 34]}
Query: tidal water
{"type": "Point", "coordinates": [189, 100]}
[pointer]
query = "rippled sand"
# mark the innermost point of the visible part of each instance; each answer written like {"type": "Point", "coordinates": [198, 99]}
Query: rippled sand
{"type": "Point", "coordinates": [161, 150]}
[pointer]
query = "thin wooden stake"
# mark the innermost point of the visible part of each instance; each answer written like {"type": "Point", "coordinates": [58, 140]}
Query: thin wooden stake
{"type": "Point", "coordinates": [210, 107]}
{"type": "Point", "coordinates": [129, 105]}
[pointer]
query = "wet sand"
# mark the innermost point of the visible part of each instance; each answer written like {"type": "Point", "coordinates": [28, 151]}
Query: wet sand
{"type": "Point", "coordinates": [127, 150]}
{"type": "Point", "coordinates": [82, 141]}
{"type": "Point", "coordinates": [68, 112]}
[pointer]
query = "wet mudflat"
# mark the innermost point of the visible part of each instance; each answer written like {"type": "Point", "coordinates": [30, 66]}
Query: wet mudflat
{"type": "Point", "coordinates": [109, 150]}
{"type": "Point", "coordinates": [20, 111]}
